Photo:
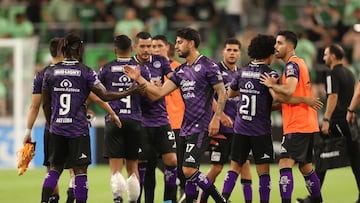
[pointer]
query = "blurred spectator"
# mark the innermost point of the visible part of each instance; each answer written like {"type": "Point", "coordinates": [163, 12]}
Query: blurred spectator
{"type": "Point", "coordinates": [351, 40]}
{"type": "Point", "coordinates": [270, 6]}
{"type": "Point", "coordinates": [4, 31]}
{"type": "Point", "coordinates": [183, 11]}
{"type": "Point", "coordinates": [106, 32]}
{"type": "Point", "coordinates": [86, 13]}
{"type": "Point", "coordinates": [60, 11]}
{"type": "Point", "coordinates": [130, 25]}
{"type": "Point", "coordinates": [21, 27]}
{"type": "Point", "coordinates": [34, 13]}
{"type": "Point", "coordinates": [157, 23]}
{"type": "Point", "coordinates": [234, 16]}
{"type": "Point", "coordinates": [205, 16]}
{"type": "Point", "coordinates": [311, 22]}
{"type": "Point", "coordinates": [116, 10]}
{"type": "Point", "coordinates": [276, 22]}
{"type": "Point", "coordinates": [143, 8]}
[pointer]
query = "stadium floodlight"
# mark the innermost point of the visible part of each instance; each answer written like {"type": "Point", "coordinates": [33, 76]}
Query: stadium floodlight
{"type": "Point", "coordinates": [23, 52]}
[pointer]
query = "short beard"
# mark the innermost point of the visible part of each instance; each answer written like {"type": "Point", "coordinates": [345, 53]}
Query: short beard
{"type": "Point", "coordinates": [184, 54]}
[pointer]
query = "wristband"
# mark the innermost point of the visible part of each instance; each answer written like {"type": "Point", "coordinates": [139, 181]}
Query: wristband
{"type": "Point", "coordinates": [27, 131]}
{"type": "Point", "coordinates": [351, 111]}
{"type": "Point", "coordinates": [326, 120]}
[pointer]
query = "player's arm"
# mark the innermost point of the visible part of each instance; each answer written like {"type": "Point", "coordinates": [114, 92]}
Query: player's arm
{"type": "Point", "coordinates": [313, 102]}
{"type": "Point", "coordinates": [350, 116]}
{"type": "Point", "coordinates": [330, 107]}
{"type": "Point", "coordinates": [105, 95]}
{"type": "Point", "coordinates": [232, 93]}
{"type": "Point", "coordinates": [214, 125]}
{"type": "Point", "coordinates": [286, 89]}
{"type": "Point", "coordinates": [225, 119]}
{"type": "Point", "coordinates": [106, 107]}
{"type": "Point", "coordinates": [32, 115]}
{"type": "Point", "coordinates": [153, 92]}
{"type": "Point", "coordinates": [46, 97]}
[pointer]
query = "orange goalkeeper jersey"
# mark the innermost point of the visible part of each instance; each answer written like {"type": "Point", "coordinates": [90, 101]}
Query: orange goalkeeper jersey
{"type": "Point", "coordinates": [175, 105]}
{"type": "Point", "coordinates": [299, 118]}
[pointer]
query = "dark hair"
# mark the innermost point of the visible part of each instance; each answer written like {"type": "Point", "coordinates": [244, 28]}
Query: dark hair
{"type": "Point", "coordinates": [142, 35]}
{"type": "Point", "coordinates": [73, 46]}
{"type": "Point", "coordinates": [261, 46]}
{"type": "Point", "coordinates": [122, 42]}
{"type": "Point", "coordinates": [337, 50]}
{"type": "Point", "coordinates": [171, 52]}
{"type": "Point", "coordinates": [53, 46]}
{"type": "Point", "coordinates": [189, 34]}
{"type": "Point", "coordinates": [289, 36]}
{"type": "Point", "coordinates": [232, 41]}
{"type": "Point", "coordinates": [161, 37]}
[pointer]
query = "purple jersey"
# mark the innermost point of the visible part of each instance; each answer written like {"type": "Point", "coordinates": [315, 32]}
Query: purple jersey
{"type": "Point", "coordinates": [196, 86]}
{"type": "Point", "coordinates": [69, 83]}
{"type": "Point", "coordinates": [37, 84]}
{"type": "Point", "coordinates": [254, 109]}
{"type": "Point", "coordinates": [154, 113]}
{"type": "Point", "coordinates": [114, 79]}
{"type": "Point", "coordinates": [231, 103]}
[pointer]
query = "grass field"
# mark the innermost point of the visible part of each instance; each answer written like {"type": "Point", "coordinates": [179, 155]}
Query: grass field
{"type": "Point", "coordinates": [339, 186]}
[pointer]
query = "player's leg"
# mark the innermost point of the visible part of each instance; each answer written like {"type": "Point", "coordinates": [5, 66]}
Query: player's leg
{"type": "Point", "coordinates": [195, 147]}
{"type": "Point", "coordinates": [219, 155]}
{"type": "Point", "coordinates": [70, 191]}
{"type": "Point", "coordinates": [246, 181]}
{"type": "Point", "coordinates": [79, 158]}
{"type": "Point", "coordinates": [149, 179]}
{"type": "Point", "coordinates": [180, 150]}
{"type": "Point", "coordinates": [166, 146]}
{"type": "Point", "coordinates": [57, 146]}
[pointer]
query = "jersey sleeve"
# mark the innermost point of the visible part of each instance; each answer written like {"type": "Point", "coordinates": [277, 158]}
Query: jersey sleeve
{"type": "Point", "coordinates": [292, 70]}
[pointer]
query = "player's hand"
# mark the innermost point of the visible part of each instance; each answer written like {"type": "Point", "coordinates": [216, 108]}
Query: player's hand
{"type": "Point", "coordinates": [137, 88]}
{"type": "Point", "coordinates": [267, 80]}
{"type": "Point", "coordinates": [313, 102]}
{"type": "Point", "coordinates": [27, 137]}
{"type": "Point", "coordinates": [325, 128]}
{"type": "Point", "coordinates": [133, 73]}
{"type": "Point", "coordinates": [116, 119]}
{"type": "Point", "coordinates": [214, 126]}
{"type": "Point", "coordinates": [350, 117]}
{"type": "Point", "coordinates": [226, 121]}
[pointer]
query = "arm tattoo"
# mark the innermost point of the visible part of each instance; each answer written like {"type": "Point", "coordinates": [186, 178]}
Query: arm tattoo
{"type": "Point", "coordinates": [222, 97]}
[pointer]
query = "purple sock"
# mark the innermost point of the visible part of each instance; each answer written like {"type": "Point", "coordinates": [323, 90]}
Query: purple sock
{"type": "Point", "coordinates": [264, 187]}
{"type": "Point", "coordinates": [51, 179]}
{"type": "Point", "coordinates": [201, 180]}
{"type": "Point", "coordinates": [229, 183]}
{"type": "Point", "coordinates": [142, 172]}
{"type": "Point", "coordinates": [204, 197]}
{"type": "Point", "coordinates": [247, 189]}
{"type": "Point", "coordinates": [191, 189]}
{"type": "Point", "coordinates": [81, 187]}
{"type": "Point", "coordinates": [286, 183]}
{"type": "Point", "coordinates": [170, 175]}
{"type": "Point", "coordinates": [313, 185]}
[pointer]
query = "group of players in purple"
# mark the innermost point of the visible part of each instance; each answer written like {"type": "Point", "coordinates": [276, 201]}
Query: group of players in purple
{"type": "Point", "coordinates": [224, 105]}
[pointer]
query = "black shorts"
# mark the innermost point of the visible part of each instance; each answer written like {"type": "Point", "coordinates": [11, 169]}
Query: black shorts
{"type": "Point", "coordinates": [298, 146]}
{"type": "Point", "coordinates": [72, 151]}
{"type": "Point", "coordinates": [220, 153]}
{"type": "Point", "coordinates": [157, 140]}
{"type": "Point", "coordinates": [261, 147]}
{"type": "Point", "coordinates": [195, 146]}
{"type": "Point", "coordinates": [46, 147]}
{"type": "Point", "coordinates": [123, 142]}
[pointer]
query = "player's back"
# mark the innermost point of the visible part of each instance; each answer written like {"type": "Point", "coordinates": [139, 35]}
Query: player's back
{"type": "Point", "coordinates": [114, 79]}
{"type": "Point", "coordinates": [254, 109]}
{"type": "Point", "coordinates": [69, 83]}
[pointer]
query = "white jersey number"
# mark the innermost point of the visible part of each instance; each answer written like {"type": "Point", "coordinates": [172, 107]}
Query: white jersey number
{"type": "Point", "coordinates": [65, 101]}
{"type": "Point", "coordinates": [249, 105]}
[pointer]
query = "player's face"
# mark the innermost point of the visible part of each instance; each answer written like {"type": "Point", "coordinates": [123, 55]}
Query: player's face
{"type": "Point", "coordinates": [231, 53]}
{"type": "Point", "coordinates": [159, 47]}
{"type": "Point", "coordinates": [281, 47]}
{"type": "Point", "coordinates": [327, 57]}
{"type": "Point", "coordinates": [143, 49]}
{"type": "Point", "coordinates": [182, 47]}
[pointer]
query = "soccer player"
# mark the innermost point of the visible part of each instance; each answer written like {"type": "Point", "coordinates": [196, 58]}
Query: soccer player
{"type": "Point", "coordinates": [198, 79]}
{"type": "Point", "coordinates": [66, 87]}
{"type": "Point", "coordinates": [175, 109]}
{"type": "Point", "coordinates": [122, 144]}
{"type": "Point", "coordinates": [340, 83]}
{"type": "Point", "coordinates": [300, 123]}
{"type": "Point", "coordinates": [220, 151]}
{"type": "Point", "coordinates": [159, 137]}
{"type": "Point", "coordinates": [252, 125]}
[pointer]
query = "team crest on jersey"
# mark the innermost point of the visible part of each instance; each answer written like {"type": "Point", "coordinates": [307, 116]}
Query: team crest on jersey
{"type": "Point", "coordinates": [157, 64]}
{"type": "Point", "coordinates": [249, 85]}
{"type": "Point", "coordinates": [290, 70]}
{"type": "Point", "coordinates": [197, 67]}
{"type": "Point", "coordinates": [66, 83]}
